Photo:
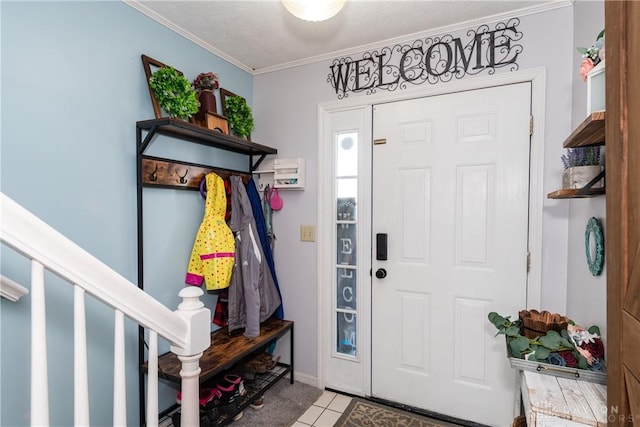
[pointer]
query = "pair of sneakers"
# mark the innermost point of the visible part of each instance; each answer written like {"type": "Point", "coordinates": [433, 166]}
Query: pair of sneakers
{"type": "Point", "coordinates": [222, 399]}
{"type": "Point", "coordinates": [232, 390]}
{"type": "Point", "coordinates": [209, 400]}
{"type": "Point", "coordinates": [239, 390]}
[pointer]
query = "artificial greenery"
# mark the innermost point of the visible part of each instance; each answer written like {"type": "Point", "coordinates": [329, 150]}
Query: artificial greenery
{"type": "Point", "coordinates": [540, 348]}
{"type": "Point", "coordinates": [239, 116]}
{"type": "Point", "coordinates": [581, 156]}
{"type": "Point", "coordinates": [174, 93]}
{"type": "Point", "coordinates": [594, 53]}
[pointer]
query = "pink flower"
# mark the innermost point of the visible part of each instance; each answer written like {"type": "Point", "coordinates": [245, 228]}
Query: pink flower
{"type": "Point", "coordinates": [586, 355]}
{"type": "Point", "coordinates": [586, 66]}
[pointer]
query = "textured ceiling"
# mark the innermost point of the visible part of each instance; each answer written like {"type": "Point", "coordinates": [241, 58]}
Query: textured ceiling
{"type": "Point", "coordinates": [261, 36]}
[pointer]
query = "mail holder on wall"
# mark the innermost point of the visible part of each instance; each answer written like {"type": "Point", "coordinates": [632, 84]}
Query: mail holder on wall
{"type": "Point", "coordinates": [285, 174]}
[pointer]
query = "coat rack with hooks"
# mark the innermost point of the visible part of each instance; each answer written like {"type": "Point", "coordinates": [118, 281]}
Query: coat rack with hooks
{"type": "Point", "coordinates": [169, 173]}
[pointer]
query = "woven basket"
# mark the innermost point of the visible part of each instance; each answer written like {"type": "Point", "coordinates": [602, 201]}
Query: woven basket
{"type": "Point", "coordinates": [520, 421]}
{"type": "Point", "coordinates": [537, 323]}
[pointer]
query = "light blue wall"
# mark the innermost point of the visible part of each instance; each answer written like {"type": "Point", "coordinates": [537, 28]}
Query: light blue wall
{"type": "Point", "coordinates": [73, 88]}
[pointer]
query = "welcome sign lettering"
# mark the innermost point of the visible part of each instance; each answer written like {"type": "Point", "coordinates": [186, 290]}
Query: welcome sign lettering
{"type": "Point", "coordinates": [429, 61]}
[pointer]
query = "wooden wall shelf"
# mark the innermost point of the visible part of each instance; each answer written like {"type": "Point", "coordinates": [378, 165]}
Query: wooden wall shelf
{"type": "Point", "coordinates": [590, 132]}
{"type": "Point", "coordinates": [181, 129]}
{"type": "Point", "coordinates": [575, 193]}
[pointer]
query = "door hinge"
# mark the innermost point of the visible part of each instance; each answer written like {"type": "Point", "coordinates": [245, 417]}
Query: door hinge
{"type": "Point", "coordinates": [530, 125]}
{"type": "Point", "coordinates": [528, 262]}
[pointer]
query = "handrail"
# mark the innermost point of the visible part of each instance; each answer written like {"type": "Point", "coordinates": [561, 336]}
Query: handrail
{"type": "Point", "coordinates": [35, 239]}
{"type": "Point", "coordinates": [11, 290]}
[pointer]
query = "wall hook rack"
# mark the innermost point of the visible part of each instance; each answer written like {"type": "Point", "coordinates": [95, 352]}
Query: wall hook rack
{"type": "Point", "coordinates": [183, 179]}
{"type": "Point", "coordinates": [153, 176]}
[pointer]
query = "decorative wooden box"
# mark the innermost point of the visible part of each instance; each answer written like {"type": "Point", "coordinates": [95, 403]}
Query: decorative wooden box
{"type": "Point", "coordinates": [216, 122]}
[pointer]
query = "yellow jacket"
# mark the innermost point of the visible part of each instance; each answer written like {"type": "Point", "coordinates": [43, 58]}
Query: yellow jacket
{"type": "Point", "coordinates": [213, 253]}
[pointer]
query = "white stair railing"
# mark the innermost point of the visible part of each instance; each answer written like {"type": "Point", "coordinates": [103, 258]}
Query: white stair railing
{"type": "Point", "coordinates": [187, 329]}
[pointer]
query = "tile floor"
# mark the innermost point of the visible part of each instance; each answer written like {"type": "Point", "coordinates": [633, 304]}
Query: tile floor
{"type": "Point", "coordinates": [325, 411]}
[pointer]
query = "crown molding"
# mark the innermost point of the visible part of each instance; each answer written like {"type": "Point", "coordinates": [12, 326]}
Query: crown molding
{"type": "Point", "coordinates": [186, 34]}
{"type": "Point", "coordinates": [460, 26]}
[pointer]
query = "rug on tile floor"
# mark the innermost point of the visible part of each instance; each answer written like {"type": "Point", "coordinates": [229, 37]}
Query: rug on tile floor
{"type": "Point", "coordinates": [284, 403]}
{"type": "Point", "coordinates": [365, 413]}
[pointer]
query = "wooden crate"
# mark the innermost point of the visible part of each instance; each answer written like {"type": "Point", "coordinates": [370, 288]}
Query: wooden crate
{"type": "Point", "coordinates": [216, 122]}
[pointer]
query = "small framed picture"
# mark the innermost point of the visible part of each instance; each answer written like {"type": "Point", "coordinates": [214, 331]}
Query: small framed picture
{"type": "Point", "coordinates": [224, 94]}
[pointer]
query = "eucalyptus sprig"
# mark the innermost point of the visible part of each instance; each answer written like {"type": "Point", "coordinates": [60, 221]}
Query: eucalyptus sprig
{"type": "Point", "coordinates": [535, 349]}
{"type": "Point", "coordinates": [593, 52]}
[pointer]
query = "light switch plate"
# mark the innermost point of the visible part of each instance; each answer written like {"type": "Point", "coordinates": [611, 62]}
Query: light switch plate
{"type": "Point", "coordinates": [307, 233]}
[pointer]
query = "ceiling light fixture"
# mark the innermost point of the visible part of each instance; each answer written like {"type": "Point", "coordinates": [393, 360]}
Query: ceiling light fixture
{"type": "Point", "coordinates": [314, 10]}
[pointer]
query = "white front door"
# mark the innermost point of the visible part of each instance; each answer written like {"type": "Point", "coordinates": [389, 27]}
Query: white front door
{"type": "Point", "coordinates": [450, 191]}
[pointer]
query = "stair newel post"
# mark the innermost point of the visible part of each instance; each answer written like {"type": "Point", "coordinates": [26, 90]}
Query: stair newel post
{"type": "Point", "coordinates": [198, 319]}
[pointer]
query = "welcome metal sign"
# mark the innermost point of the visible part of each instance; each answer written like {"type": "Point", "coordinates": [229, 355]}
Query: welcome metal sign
{"type": "Point", "coordinates": [429, 61]}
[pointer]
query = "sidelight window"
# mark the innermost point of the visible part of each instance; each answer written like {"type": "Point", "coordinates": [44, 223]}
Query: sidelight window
{"type": "Point", "coordinates": [346, 260]}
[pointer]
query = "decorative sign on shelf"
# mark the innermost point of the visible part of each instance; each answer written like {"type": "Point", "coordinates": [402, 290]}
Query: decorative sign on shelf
{"type": "Point", "coordinates": [429, 61]}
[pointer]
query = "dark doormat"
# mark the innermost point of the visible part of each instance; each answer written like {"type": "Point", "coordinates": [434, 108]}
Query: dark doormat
{"type": "Point", "coordinates": [361, 413]}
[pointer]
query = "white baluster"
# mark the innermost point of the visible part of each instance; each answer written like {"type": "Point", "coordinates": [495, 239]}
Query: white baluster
{"type": "Point", "coordinates": [119, 377]}
{"type": "Point", "coordinates": [198, 319]}
{"type": "Point", "coordinates": [39, 372]}
{"type": "Point", "coordinates": [152, 381]}
{"type": "Point", "coordinates": [80, 377]}
{"type": "Point", "coordinates": [190, 373]}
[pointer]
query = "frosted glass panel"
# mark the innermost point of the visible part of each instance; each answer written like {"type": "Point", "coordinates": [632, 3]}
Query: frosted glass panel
{"type": "Point", "coordinates": [346, 221]}
{"type": "Point", "coordinates": [346, 334]}
{"type": "Point", "coordinates": [347, 154]}
{"type": "Point", "coordinates": [346, 296]}
{"type": "Point", "coordinates": [347, 188]}
{"type": "Point", "coordinates": [346, 244]}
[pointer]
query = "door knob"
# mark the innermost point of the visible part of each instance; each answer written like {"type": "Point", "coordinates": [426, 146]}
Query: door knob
{"type": "Point", "coordinates": [381, 273]}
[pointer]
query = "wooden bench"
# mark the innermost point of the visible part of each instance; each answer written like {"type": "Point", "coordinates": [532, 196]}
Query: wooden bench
{"type": "Point", "coordinates": [555, 401]}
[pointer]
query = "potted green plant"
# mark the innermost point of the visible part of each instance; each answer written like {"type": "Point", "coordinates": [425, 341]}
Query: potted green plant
{"type": "Point", "coordinates": [581, 165]}
{"type": "Point", "coordinates": [174, 93]}
{"type": "Point", "coordinates": [239, 116]}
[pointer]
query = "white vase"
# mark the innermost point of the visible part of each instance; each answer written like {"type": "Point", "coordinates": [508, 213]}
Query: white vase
{"type": "Point", "coordinates": [577, 177]}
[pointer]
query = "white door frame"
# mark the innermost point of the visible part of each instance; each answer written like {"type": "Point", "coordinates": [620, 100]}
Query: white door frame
{"type": "Point", "coordinates": [537, 77]}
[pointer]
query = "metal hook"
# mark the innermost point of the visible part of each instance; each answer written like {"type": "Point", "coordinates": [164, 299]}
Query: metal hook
{"type": "Point", "coordinates": [153, 176]}
{"type": "Point", "coordinates": [203, 187]}
{"type": "Point", "coordinates": [183, 178]}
